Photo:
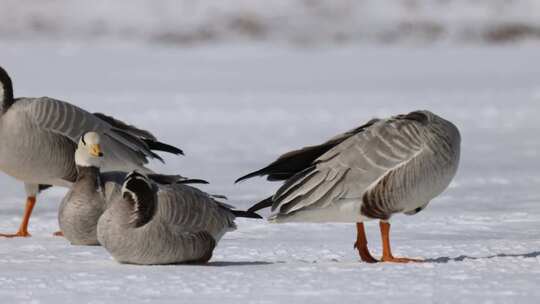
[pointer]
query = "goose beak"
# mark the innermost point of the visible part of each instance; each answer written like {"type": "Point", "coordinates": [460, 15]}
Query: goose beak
{"type": "Point", "coordinates": [95, 150]}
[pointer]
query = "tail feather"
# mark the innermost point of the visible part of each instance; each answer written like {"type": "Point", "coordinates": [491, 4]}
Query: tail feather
{"type": "Point", "coordinates": [266, 203]}
{"type": "Point", "coordinates": [165, 179]}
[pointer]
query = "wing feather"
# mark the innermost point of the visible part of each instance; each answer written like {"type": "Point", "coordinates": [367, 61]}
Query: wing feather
{"type": "Point", "coordinates": [316, 195]}
{"type": "Point", "coordinates": [125, 127]}
{"type": "Point", "coordinates": [127, 146]}
{"type": "Point", "coordinates": [352, 167]}
{"type": "Point", "coordinates": [293, 162]}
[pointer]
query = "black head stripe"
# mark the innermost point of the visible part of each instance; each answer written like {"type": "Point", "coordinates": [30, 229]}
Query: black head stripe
{"type": "Point", "coordinates": [82, 139]}
{"type": "Point", "coordinates": [143, 199]}
{"type": "Point", "coordinates": [7, 85]}
{"type": "Point", "coordinates": [136, 175]}
{"type": "Point", "coordinates": [137, 184]}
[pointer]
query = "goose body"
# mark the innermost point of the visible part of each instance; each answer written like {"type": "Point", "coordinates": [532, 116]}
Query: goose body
{"type": "Point", "coordinates": [25, 158]}
{"type": "Point", "coordinates": [93, 190]}
{"type": "Point", "coordinates": [84, 203]}
{"type": "Point", "coordinates": [90, 196]}
{"type": "Point", "coordinates": [163, 224]}
{"type": "Point", "coordinates": [39, 137]}
{"type": "Point", "coordinates": [384, 167]}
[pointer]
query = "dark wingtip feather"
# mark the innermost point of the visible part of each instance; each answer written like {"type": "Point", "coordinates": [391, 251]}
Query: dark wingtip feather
{"type": "Point", "coordinates": [165, 179]}
{"type": "Point", "coordinates": [132, 130]}
{"type": "Point", "coordinates": [246, 214]}
{"type": "Point", "coordinates": [43, 187]}
{"type": "Point", "coordinates": [266, 203]}
{"type": "Point", "coordinates": [193, 181]}
{"type": "Point", "coordinates": [154, 155]}
{"type": "Point", "coordinates": [159, 146]}
{"type": "Point", "coordinates": [293, 162]}
{"type": "Point", "coordinates": [250, 175]}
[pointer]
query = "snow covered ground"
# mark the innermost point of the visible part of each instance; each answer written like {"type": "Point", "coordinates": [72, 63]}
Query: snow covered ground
{"type": "Point", "coordinates": [235, 108]}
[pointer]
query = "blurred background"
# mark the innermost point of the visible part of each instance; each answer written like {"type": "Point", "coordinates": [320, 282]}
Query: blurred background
{"type": "Point", "coordinates": [298, 22]}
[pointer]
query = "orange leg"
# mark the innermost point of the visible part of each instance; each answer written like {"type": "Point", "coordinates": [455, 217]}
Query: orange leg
{"type": "Point", "coordinates": [387, 252]}
{"type": "Point", "coordinates": [23, 228]}
{"type": "Point", "coordinates": [361, 244]}
{"type": "Point", "coordinates": [58, 233]}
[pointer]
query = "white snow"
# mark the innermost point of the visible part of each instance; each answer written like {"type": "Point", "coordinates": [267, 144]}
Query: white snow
{"type": "Point", "coordinates": [234, 109]}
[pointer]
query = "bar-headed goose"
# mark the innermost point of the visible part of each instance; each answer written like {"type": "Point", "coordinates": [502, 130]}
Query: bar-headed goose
{"type": "Point", "coordinates": [92, 191]}
{"type": "Point", "coordinates": [387, 166]}
{"type": "Point", "coordinates": [164, 224]}
{"type": "Point", "coordinates": [39, 137]}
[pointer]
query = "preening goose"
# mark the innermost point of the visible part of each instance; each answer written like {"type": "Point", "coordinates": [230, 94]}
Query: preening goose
{"type": "Point", "coordinates": [386, 166]}
{"type": "Point", "coordinates": [92, 191]}
{"type": "Point", "coordinates": [164, 224]}
{"type": "Point", "coordinates": [39, 137]}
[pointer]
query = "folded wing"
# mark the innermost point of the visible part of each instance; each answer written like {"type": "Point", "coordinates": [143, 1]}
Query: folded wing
{"type": "Point", "coordinates": [127, 146]}
{"type": "Point", "coordinates": [351, 167]}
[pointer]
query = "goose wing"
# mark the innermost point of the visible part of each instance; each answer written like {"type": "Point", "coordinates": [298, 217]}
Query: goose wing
{"type": "Point", "coordinates": [351, 167]}
{"type": "Point", "coordinates": [185, 208]}
{"type": "Point", "coordinates": [127, 147]}
{"type": "Point", "coordinates": [197, 246]}
{"type": "Point", "coordinates": [293, 162]}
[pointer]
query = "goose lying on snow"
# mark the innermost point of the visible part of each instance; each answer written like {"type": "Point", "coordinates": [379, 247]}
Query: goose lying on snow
{"type": "Point", "coordinates": [387, 166]}
{"type": "Point", "coordinates": [92, 191]}
{"type": "Point", "coordinates": [164, 224]}
{"type": "Point", "coordinates": [39, 137]}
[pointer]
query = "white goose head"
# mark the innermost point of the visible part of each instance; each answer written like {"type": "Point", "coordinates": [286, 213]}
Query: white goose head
{"type": "Point", "coordinates": [88, 153]}
{"type": "Point", "coordinates": [6, 91]}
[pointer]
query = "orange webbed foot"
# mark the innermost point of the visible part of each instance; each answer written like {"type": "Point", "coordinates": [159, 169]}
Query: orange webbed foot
{"type": "Point", "coordinates": [58, 233]}
{"type": "Point", "coordinates": [361, 244]}
{"type": "Point", "coordinates": [365, 255]}
{"type": "Point", "coordinates": [23, 228]}
{"type": "Point", "coordinates": [402, 260]}
{"type": "Point", "coordinates": [17, 234]}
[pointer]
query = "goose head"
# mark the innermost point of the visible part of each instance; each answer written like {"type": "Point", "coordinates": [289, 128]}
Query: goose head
{"type": "Point", "coordinates": [6, 91]}
{"type": "Point", "coordinates": [88, 153]}
{"type": "Point", "coordinates": [138, 191]}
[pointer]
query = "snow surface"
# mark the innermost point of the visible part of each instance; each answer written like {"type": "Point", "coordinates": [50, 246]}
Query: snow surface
{"type": "Point", "coordinates": [297, 21]}
{"type": "Point", "coordinates": [234, 108]}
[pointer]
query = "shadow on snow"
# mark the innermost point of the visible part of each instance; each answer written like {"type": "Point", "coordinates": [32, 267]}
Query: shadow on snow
{"type": "Point", "coordinates": [236, 263]}
{"type": "Point", "coordinates": [461, 258]}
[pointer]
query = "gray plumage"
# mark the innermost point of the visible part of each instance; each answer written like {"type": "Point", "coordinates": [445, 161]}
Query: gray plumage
{"type": "Point", "coordinates": [92, 192]}
{"type": "Point", "coordinates": [85, 202]}
{"type": "Point", "coordinates": [163, 224]}
{"type": "Point", "coordinates": [39, 137]}
{"type": "Point", "coordinates": [387, 166]}
{"type": "Point", "coordinates": [43, 132]}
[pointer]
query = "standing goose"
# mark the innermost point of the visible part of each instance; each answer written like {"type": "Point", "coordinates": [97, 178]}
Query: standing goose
{"type": "Point", "coordinates": [387, 166]}
{"type": "Point", "coordinates": [164, 224]}
{"type": "Point", "coordinates": [39, 137]}
{"type": "Point", "coordinates": [92, 191]}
